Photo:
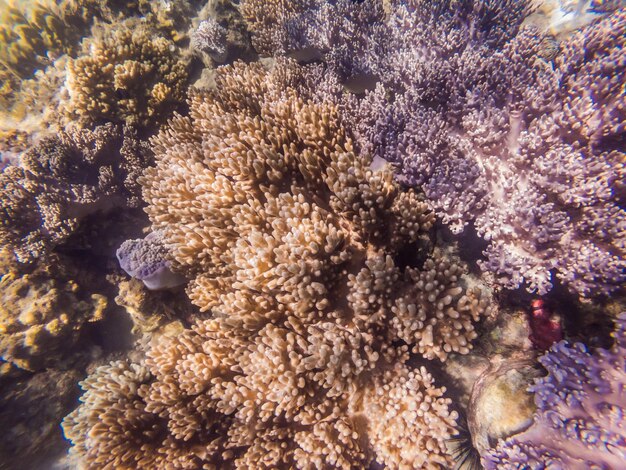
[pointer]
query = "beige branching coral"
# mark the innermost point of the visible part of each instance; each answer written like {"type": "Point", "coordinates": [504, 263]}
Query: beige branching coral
{"type": "Point", "coordinates": [126, 74]}
{"type": "Point", "coordinates": [320, 278]}
{"type": "Point", "coordinates": [209, 399]}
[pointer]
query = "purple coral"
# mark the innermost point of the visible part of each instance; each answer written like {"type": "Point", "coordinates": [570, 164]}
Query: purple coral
{"type": "Point", "coordinates": [339, 31]}
{"type": "Point", "coordinates": [210, 37]}
{"type": "Point", "coordinates": [525, 151]}
{"type": "Point", "coordinates": [469, 108]}
{"type": "Point", "coordinates": [146, 259]}
{"type": "Point", "coordinates": [581, 411]}
{"type": "Point", "coordinates": [63, 180]}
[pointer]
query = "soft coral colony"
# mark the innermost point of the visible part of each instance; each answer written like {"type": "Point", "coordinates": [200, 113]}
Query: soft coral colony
{"type": "Point", "coordinates": [472, 106]}
{"type": "Point", "coordinates": [303, 205]}
{"type": "Point", "coordinates": [293, 243]}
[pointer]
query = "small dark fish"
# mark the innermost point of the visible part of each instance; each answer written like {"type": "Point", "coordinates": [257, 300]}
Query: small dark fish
{"type": "Point", "coordinates": [306, 55]}
{"type": "Point", "coordinates": [360, 83]}
{"type": "Point", "coordinates": [549, 48]}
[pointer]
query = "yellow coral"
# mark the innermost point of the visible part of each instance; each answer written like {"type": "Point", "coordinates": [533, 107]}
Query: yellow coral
{"type": "Point", "coordinates": [33, 32]}
{"type": "Point", "coordinates": [148, 309]}
{"type": "Point", "coordinates": [43, 312]}
{"type": "Point", "coordinates": [126, 73]}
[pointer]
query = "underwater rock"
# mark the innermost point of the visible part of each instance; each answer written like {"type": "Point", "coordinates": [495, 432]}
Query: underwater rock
{"type": "Point", "coordinates": [31, 407]}
{"type": "Point", "coordinates": [501, 404]}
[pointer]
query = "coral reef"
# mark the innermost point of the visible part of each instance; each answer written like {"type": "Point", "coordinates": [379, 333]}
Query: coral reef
{"type": "Point", "coordinates": [126, 74]}
{"type": "Point", "coordinates": [171, 18]}
{"type": "Point", "coordinates": [44, 310]}
{"type": "Point", "coordinates": [150, 310]}
{"type": "Point", "coordinates": [210, 37]}
{"type": "Point", "coordinates": [63, 180]}
{"type": "Point", "coordinates": [162, 420]}
{"type": "Point", "coordinates": [32, 34]}
{"type": "Point", "coordinates": [293, 259]}
{"type": "Point", "coordinates": [335, 29]}
{"type": "Point", "coordinates": [34, 99]}
{"type": "Point", "coordinates": [227, 213]}
{"type": "Point", "coordinates": [31, 111]}
{"type": "Point", "coordinates": [320, 277]}
{"type": "Point", "coordinates": [529, 153]}
{"type": "Point", "coordinates": [579, 421]}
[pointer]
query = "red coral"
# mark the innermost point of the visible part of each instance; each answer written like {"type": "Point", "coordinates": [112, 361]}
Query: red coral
{"type": "Point", "coordinates": [545, 329]}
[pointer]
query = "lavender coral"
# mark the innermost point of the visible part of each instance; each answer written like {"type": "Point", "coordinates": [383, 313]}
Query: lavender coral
{"type": "Point", "coordinates": [529, 153]}
{"type": "Point", "coordinates": [210, 37]}
{"type": "Point", "coordinates": [579, 421]}
{"type": "Point", "coordinates": [146, 260]}
{"type": "Point", "coordinates": [318, 276]}
{"type": "Point", "coordinates": [63, 180]}
{"type": "Point", "coordinates": [312, 28]}
{"type": "Point", "coordinates": [501, 139]}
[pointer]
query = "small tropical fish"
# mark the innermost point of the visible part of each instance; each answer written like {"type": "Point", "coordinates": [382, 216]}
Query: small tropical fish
{"type": "Point", "coordinates": [306, 55]}
{"type": "Point", "coordinates": [360, 83]}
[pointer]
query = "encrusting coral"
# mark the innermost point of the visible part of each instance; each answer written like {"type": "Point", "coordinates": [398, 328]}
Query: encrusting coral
{"type": "Point", "coordinates": [150, 310]}
{"type": "Point", "coordinates": [579, 422]}
{"type": "Point", "coordinates": [528, 152]}
{"type": "Point", "coordinates": [319, 276]}
{"type": "Point", "coordinates": [64, 179]}
{"type": "Point", "coordinates": [127, 74]}
{"type": "Point", "coordinates": [44, 309]}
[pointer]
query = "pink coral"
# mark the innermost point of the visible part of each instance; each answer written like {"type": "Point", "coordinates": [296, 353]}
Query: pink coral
{"type": "Point", "coordinates": [545, 328]}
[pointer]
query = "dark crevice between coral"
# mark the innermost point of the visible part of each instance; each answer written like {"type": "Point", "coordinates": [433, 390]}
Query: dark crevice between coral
{"type": "Point", "coordinates": [471, 245]}
{"type": "Point", "coordinates": [585, 322]}
{"type": "Point", "coordinates": [414, 255]}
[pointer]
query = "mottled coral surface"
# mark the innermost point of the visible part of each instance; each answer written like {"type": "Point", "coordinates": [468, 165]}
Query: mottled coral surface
{"type": "Point", "coordinates": [44, 311]}
{"type": "Point", "coordinates": [64, 179]}
{"type": "Point", "coordinates": [129, 74]}
{"type": "Point", "coordinates": [333, 265]}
